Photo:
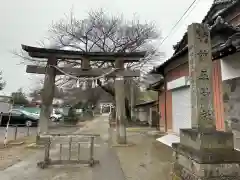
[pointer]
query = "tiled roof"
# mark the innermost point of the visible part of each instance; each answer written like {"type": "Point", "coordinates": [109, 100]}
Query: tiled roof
{"type": "Point", "coordinates": [219, 7]}
{"type": "Point", "coordinates": [231, 45]}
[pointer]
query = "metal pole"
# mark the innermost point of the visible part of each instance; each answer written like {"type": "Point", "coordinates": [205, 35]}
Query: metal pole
{"type": "Point", "coordinates": [60, 154]}
{"type": "Point", "coordinates": [78, 151]}
{"type": "Point", "coordinates": [6, 131]}
{"type": "Point", "coordinates": [70, 148]}
{"type": "Point", "coordinates": [28, 129]}
{"type": "Point", "coordinates": [47, 151]}
{"type": "Point", "coordinates": [91, 148]}
{"type": "Point", "coordinates": [15, 133]}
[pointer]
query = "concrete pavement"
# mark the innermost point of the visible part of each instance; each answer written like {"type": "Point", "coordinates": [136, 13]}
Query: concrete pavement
{"type": "Point", "coordinates": [147, 159]}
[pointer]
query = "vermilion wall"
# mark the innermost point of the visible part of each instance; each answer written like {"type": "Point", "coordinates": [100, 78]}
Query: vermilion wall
{"type": "Point", "coordinates": [218, 97]}
{"type": "Point", "coordinates": [162, 110]}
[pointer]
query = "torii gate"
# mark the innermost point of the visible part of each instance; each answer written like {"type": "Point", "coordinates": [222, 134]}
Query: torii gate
{"type": "Point", "coordinates": [51, 70]}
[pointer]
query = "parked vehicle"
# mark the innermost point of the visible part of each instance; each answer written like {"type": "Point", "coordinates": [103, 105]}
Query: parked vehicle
{"type": "Point", "coordinates": [56, 116]}
{"type": "Point", "coordinates": [21, 117]}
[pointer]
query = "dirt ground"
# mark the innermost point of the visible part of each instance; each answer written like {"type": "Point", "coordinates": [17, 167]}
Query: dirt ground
{"type": "Point", "coordinates": [109, 167]}
{"type": "Point", "coordinates": [17, 153]}
{"type": "Point", "coordinates": [147, 159]}
{"type": "Point", "coordinates": [12, 155]}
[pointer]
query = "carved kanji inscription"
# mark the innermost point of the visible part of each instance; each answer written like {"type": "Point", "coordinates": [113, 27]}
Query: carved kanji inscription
{"type": "Point", "coordinates": [202, 34]}
{"type": "Point", "coordinates": [206, 115]}
{"type": "Point", "coordinates": [203, 75]}
{"type": "Point", "coordinates": [204, 91]}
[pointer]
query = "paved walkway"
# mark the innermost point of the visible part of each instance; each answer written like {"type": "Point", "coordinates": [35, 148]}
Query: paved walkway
{"type": "Point", "coordinates": [108, 169]}
{"type": "Point", "coordinates": [147, 159]}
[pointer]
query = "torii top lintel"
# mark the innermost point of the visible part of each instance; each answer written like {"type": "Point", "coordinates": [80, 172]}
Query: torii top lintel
{"type": "Point", "coordinates": [37, 52]}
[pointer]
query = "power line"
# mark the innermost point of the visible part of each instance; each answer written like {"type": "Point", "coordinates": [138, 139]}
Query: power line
{"type": "Point", "coordinates": [186, 16]}
{"type": "Point", "coordinates": [178, 22]}
{"type": "Point", "coordinates": [181, 18]}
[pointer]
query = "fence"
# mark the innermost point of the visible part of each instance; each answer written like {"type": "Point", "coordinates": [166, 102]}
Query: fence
{"type": "Point", "coordinates": [26, 130]}
{"type": "Point", "coordinates": [75, 144]}
{"type": "Point", "coordinates": [16, 131]}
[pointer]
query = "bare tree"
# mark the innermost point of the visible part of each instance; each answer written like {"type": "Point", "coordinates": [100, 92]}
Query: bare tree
{"type": "Point", "coordinates": [105, 33]}
{"type": "Point", "coordinates": [89, 96]}
{"type": "Point", "coordinates": [2, 82]}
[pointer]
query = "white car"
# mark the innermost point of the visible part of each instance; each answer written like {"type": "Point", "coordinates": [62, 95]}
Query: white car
{"type": "Point", "coordinates": [55, 116]}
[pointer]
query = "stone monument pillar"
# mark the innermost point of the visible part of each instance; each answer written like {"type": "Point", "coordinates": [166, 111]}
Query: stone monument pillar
{"type": "Point", "coordinates": [203, 152]}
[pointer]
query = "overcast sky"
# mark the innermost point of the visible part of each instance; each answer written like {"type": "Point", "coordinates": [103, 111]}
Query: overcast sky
{"type": "Point", "coordinates": [27, 21]}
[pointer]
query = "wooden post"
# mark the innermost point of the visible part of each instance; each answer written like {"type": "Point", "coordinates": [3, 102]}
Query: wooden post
{"type": "Point", "coordinates": [150, 117]}
{"type": "Point", "coordinates": [120, 105]}
{"type": "Point", "coordinates": [47, 96]}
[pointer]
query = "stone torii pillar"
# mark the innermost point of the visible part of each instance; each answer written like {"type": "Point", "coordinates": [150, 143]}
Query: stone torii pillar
{"type": "Point", "coordinates": [121, 119]}
{"type": "Point", "coordinates": [133, 99]}
{"type": "Point", "coordinates": [47, 96]}
{"type": "Point", "coordinates": [203, 152]}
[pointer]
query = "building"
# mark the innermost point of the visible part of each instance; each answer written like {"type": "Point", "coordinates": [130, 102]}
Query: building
{"type": "Point", "coordinates": [106, 107]}
{"type": "Point", "coordinates": [174, 92]}
{"type": "Point", "coordinates": [147, 112]}
{"type": "Point", "coordinates": [5, 102]}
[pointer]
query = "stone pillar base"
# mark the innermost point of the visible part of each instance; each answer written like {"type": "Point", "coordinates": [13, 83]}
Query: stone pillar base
{"type": "Point", "coordinates": [205, 156]}
{"type": "Point", "coordinates": [187, 169]}
{"type": "Point", "coordinates": [41, 140]}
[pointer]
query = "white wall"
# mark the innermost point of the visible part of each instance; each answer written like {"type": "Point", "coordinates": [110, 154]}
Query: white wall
{"type": "Point", "coordinates": [5, 107]}
{"type": "Point", "coordinates": [230, 66]}
{"type": "Point", "coordinates": [177, 83]}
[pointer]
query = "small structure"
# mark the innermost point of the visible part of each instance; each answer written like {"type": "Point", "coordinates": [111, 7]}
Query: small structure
{"type": "Point", "coordinates": [106, 107]}
{"type": "Point", "coordinates": [5, 103]}
{"type": "Point", "coordinates": [146, 112]}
